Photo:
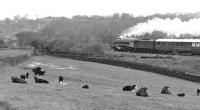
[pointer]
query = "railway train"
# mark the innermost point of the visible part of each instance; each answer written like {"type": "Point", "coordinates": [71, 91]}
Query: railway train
{"type": "Point", "coordinates": [190, 46]}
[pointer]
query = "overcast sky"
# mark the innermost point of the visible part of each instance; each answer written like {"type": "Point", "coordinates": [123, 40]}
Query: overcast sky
{"type": "Point", "coordinates": [69, 8]}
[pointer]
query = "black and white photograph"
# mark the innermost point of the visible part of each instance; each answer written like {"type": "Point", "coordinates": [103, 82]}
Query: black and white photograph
{"type": "Point", "coordinates": [100, 55]}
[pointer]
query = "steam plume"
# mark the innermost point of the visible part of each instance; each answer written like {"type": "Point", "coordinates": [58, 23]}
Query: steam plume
{"type": "Point", "coordinates": [172, 27]}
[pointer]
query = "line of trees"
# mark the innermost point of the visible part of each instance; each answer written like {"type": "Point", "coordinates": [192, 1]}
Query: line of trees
{"type": "Point", "coordinates": [82, 34]}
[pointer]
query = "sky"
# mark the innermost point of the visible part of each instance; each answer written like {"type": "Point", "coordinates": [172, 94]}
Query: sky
{"type": "Point", "coordinates": [68, 8]}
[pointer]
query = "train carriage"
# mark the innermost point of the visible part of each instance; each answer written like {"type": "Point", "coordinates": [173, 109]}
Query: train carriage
{"type": "Point", "coordinates": [179, 45]}
{"type": "Point", "coordinates": [145, 45]}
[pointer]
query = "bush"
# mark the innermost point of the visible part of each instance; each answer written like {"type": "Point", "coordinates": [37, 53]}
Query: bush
{"type": "Point", "coordinates": [93, 48]}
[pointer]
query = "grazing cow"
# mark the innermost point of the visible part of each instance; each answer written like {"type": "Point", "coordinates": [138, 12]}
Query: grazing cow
{"type": "Point", "coordinates": [38, 71]}
{"type": "Point", "coordinates": [27, 75]}
{"type": "Point", "coordinates": [142, 92]}
{"type": "Point", "coordinates": [85, 87]}
{"type": "Point", "coordinates": [130, 88]}
{"type": "Point", "coordinates": [23, 77]}
{"type": "Point", "coordinates": [181, 95]}
{"type": "Point", "coordinates": [61, 79]}
{"type": "Point", "coordinates": [38, 80]}
{"type": "Point", "coordinates": [18, 80]}
{"type": "Point", "coordinates": [198, 92]}
{"type": "Point", "coordinates": [165, 90]}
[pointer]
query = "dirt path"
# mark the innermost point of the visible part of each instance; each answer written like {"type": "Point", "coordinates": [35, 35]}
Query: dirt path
{"type": "Point", "coordinates": [105, 91]}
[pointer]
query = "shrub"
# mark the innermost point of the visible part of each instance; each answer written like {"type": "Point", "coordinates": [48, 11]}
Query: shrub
{"type": "Point", "coordinates": [94, 49]}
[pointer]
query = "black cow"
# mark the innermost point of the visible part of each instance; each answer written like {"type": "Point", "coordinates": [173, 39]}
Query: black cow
{"type": "Point", "coordinates": [129, 88]}
{"type": "Point", "coordinates": [85, 87]}
{"type": "Point", "coordinates": [198, 92]}
{"type": "Point", "coordinates": [181, 95]}
{"type": "Point", "coordinates": [38, 80]}
{"type": "Point", "coordinates": [18, 80]}
{"type": "Point", "coordinates": [34, 70]}
{"type": "Point", "coordinates": [27, 75]}
{"type": "Point", "coordinates": [40, 73]}
{"type": "Point", "coordinates": [23, 77]}
{"type": "Point", "coordinates": [165, 90]}
{"type": "Point", "coordinates": [61, 79]}
{"type": "Point", "coordinates": [142, 92]}
{"type": "Point", "coordinates": [37, 71]}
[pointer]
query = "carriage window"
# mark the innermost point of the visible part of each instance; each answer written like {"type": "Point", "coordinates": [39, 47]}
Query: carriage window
{"type": "Point", "coordinates": [197, 44]}
{"type": "Point", "coordinates": [193, 44]}
{"type": "Point", "coordinates": [131, 44]}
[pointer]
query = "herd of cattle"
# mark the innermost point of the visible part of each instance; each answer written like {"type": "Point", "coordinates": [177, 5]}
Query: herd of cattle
{"type": "Point", "coordinates": [139, 92]}
{"type": "Point", "coordinates": [38, 72]}
{"type": "Point", "coordinates": [143, 91]}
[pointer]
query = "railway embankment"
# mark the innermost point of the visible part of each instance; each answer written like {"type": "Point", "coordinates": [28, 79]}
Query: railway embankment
{"type": "Point", "coordinates": [174, 66]}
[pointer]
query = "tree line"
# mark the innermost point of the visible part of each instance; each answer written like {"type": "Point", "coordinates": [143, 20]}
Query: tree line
{"type": "Point", "coordinates": [79, 34]}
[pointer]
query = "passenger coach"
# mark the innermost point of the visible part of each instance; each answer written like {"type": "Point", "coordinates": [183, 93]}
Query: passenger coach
{"type": "Point", "coordinates": [179, 45]}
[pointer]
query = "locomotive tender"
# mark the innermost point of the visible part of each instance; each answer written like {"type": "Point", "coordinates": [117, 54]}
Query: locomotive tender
{"type": "Point", "coordinates": [191, 46]}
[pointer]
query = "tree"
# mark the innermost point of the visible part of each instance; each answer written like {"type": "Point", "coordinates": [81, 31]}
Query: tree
{"type": "Point", "coordinates": [7, 21]}
{"type": "Point", "coordinates": [25, 37]}
{"type": "Point", "coordinates": [36, 44]}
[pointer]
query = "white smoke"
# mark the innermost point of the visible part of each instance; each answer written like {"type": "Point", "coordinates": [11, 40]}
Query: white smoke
{"type": "Point", "coordinates": [172, 27]}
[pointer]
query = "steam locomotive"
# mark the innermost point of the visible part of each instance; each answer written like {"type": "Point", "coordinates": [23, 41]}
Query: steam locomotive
{"type": "Point", "coordinates": [191, 46]}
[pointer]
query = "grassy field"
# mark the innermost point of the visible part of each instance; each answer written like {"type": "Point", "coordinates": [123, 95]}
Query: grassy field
{"type": "Point", "coordinates": [189, 64]}
{"type": "Point", "coordinates": [105, 91]}
{"type": "Point", "coordinates": [12, 57]}
{"type": "Point", "coordinates": [12, 53]}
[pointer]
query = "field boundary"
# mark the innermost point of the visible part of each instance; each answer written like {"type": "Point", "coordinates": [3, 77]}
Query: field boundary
{"type": "Point", "coordinates": [133, 65]}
